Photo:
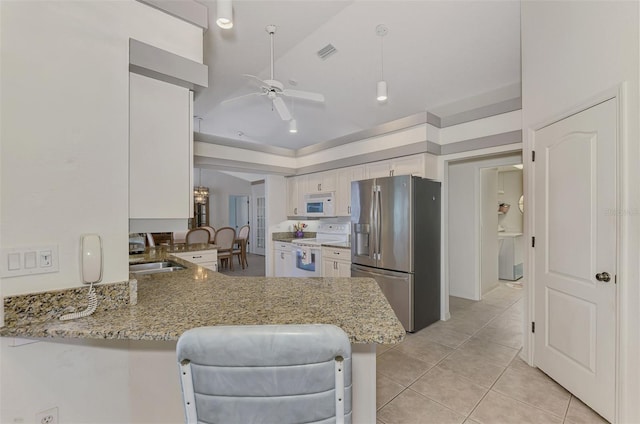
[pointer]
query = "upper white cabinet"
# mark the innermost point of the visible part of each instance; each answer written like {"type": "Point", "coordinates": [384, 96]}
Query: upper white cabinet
{"type": "Point", "coordinates": [319, 182]}
{"type": "Point", "coordinates": [293, 196]}
{"type": "Point", "coordinates": [160, 150]}
{"type": "Point", "coordinates": [407, 165]}
{"type": "Point", "coordinates": [344, 177]}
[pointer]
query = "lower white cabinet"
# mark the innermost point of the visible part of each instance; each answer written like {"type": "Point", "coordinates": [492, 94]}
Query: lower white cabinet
{"type": "Point", "coordinates": [283, 261]}
{"type": "Point", "coordinates": [205, 258]}
{"type": "Point", "coordinates": [336, 262]}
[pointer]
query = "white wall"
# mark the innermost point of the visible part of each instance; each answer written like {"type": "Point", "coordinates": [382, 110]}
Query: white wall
{"type": "Point", "coordinates": [571, 51]}
{"type": "Point", "coordinates": [65, 126]}
{"type": "Point", "coordinates": [464, 241]}
{"type": "Point", "coordinates": [511, 183]}
{"type": "Point", "coordinates": [275, 190]}
{"type": "Point", "coordinates": [64, 171]}
{"type": "Point", "coordinates": [488, 230]}
{"type": "Point", "coordinates": [221, 186]}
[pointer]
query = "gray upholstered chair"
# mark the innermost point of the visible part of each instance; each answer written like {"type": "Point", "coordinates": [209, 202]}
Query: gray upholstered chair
{"type": "Point", "coordinates": [197, 236]}
{"type": "Point", "coordinates": [225, 237]}
{"type": "Point", "coordinates": [266, 374]}
{"type": "Point", "coordinates": [242, 239]}
{"type": "Point", "coordinates": [212, 232]}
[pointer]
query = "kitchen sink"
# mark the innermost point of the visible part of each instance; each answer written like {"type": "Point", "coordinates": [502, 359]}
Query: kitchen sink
{"type": "Point", "coordinates": [155, 267]}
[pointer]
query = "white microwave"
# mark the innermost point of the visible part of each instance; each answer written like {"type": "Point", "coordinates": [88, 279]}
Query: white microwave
{"type": "Point", "coordinates": [319, 204]}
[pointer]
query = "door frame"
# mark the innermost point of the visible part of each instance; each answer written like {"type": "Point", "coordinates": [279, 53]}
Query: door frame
{"type": "Point", "coordinates": [624, 312]}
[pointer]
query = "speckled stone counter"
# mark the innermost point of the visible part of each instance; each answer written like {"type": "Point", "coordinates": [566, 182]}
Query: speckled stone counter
{"type": "Point", "coordinates": [170, 303]}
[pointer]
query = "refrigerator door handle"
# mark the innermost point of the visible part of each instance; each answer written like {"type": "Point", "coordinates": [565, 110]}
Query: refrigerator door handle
{"type": "Point", "coordinates": [374, 207]}
{"type": "Point", "coordinates": [378, 223]}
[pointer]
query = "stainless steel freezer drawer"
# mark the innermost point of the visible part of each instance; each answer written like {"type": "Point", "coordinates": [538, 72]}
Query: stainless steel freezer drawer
{"type": "Point", "coordinates": [397, 288]}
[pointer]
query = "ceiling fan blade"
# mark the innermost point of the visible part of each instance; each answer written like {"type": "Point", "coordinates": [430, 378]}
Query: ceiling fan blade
{"type": "Point", "coordinates": [306, 95]}
{"type": "Point", "coordinates": [257, 80]}
{"type": "Point", "coordinates": [233, 99]}
{"type": "Point", "coordinates": [282, 109]}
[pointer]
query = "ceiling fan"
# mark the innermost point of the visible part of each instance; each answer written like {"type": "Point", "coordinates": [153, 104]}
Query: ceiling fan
{"type": "Point", "coordinates": [274, 90]}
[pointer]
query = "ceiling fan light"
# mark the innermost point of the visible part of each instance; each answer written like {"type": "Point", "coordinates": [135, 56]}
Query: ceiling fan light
{"type": "Point", "coordinates": [293, 126]}
{"type": "Point", "coordinates": [382, 91]}
{"type": "Point", "coordinates": [225, 14]}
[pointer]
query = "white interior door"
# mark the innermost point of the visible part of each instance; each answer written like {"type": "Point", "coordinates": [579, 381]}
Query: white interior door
{"type": "Point", "coordinates": [575, 230]}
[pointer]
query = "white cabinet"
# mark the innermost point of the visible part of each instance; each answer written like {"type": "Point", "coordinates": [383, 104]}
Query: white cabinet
{"type": "Point", "coordinates": [283, 261]}
{"type": "Point", "coordinates": [336, 262]}
{"type": "Point", "coordinates": [344, 177]}
{"type": "Point", "coordinates": [160, 150]}
{"type": "Point", "coordinates": [407, 165]}
{"type": "Point", "coordinates": [204, 258]}
{"type": "Point", "coordinates": [318, 182]}
{"type": "Point", "coordinates": [293, 197]}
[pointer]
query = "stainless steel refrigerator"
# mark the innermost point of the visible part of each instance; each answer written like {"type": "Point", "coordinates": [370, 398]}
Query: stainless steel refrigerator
{"type": "Point", "coordinates": [395, 239]}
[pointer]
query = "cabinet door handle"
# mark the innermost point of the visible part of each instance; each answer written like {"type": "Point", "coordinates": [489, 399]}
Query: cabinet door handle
{"type": "Point", "coordinates": [295, 211]}
{"type": "Point", "coordinates": [196, 257]}
{"type": "Point", "coordinates": [349, 210]}
{"type": "Point", "coordinates": [320, 187]}
{"type": "Point", "coordinates": [281, 255]}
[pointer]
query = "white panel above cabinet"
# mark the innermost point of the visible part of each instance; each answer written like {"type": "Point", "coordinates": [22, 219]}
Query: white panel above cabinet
{"type": "Point", "coordinates": [160, 150]}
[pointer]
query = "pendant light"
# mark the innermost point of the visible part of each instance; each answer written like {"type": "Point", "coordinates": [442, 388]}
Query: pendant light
{"type": "Point", "coordinates": [225, 14]}
{"type": "Point", "coordinates": [293, 126]}
{"type": "Point", "coordinates": [381, 89]}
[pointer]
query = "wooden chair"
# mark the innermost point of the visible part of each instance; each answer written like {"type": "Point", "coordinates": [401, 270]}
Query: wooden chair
{"type": "Point", "coordinates": [212, 232]}
{"type": "Point", "coordinates": [225, 237]}
{"type": "Point", "coordinates": [266, 374]}
{"type": "Point", "coordinates": [197, 236]}
{"type": "Point", "coordinates": [241, 250]}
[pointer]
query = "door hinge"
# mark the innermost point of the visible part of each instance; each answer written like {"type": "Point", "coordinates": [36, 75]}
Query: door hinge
{"type": "Point", "coordinates": [533, 242]}
{"type": "Point", "coordinates": [533, 327]}
{"type": "Point", "coordinates": [533, 156]}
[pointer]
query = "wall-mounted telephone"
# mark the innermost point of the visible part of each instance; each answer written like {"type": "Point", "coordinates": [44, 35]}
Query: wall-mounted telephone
{"type": "Point", "coordinates": [90, 271]}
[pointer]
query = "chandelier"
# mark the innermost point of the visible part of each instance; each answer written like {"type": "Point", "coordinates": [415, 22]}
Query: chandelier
{"type": "Point", "coordinates": [200, 194]}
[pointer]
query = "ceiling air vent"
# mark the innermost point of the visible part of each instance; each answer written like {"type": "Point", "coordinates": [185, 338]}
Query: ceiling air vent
{"type": "Point", "coordinates": [326, 51]}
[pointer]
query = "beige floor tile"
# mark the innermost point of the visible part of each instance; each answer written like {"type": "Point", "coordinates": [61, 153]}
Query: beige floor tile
{"type": "Point", "coordinates": [473, 367]}
{"type": "Point", "coordinates": [450, 389]}
{"type": "Point", "coordinates": [386, 389]}
{"type": "Point", "coordinates": [457, 303]}
{"type": "Point", "coordinates": [533, 387]}
{"type": "Point", "coordinates": [400, 367]}
{"type": "Point", "coordinates": [412, 408]}
{"type": "Point", "coordinates": [461, 325]}
{"type": "Point", "coordinates": [425, 349]}
{"type": "Point", "coordinates": [489, 351]}
{"type": "Point", "coordinates": [444, 336]}
{"type": "Point", "coordinates": [505, 337]}
{"type": "Point", "coordinates": [499, 409]}
{"type": "Point", "coordinates": [381, 348]}
{"type": "Point", "coordinates": [470, 421]}
{"type": "Point", "coordinates": [579, 413]}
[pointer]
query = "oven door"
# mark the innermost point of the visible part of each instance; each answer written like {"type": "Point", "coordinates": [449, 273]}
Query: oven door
{"type": "Point", "coordinates": [307, 261]}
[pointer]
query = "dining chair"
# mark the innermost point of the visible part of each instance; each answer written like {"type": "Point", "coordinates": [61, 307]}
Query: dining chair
{"type": "Point", "coordinates": [197, 236]}
{"type": "Point", "coordinates": [242, 240]}
{"type": "Point", "coordinates": [225, 237]}
{"type": "Point", "coordinates": [212, 232]}
{"type": "Point", "coordinates": [150, 240]}
{"type": "Point", "coordinates": [179, 237]}
{"type": "Point", "coordinates": [265, 374]}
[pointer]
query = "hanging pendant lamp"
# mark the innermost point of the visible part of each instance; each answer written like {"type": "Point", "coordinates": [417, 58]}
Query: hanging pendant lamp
{"type": "Point", "coordinates": [225, 14]}
{"type": "Point", "coordinates": [381, 89]}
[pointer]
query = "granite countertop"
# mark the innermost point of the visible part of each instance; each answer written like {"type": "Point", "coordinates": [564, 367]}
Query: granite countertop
{"type": "Point", "coordinates": [170, 303]}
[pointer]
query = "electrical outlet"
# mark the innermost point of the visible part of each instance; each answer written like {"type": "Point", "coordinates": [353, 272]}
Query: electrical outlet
{"type": "Point", "coordinates": [49, 416]}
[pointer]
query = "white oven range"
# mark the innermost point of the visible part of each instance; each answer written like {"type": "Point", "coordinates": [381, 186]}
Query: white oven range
{"type": "Point", "coordinates": [306, 253]}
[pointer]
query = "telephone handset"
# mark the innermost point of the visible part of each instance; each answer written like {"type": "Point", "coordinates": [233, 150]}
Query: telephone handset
{"type": "Point", "coordinates": [90, 270]}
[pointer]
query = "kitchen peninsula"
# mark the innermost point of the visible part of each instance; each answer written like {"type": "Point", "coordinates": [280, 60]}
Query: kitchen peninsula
{"type": "Point", "coordinates": [170, 303]}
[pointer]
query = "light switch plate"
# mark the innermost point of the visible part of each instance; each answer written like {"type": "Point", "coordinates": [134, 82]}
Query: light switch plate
{"type": "Point", "coordinates": [17, 261]}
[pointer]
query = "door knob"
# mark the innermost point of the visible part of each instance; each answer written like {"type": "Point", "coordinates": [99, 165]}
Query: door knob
{"type": "Point", "coordinates": [603, 276]}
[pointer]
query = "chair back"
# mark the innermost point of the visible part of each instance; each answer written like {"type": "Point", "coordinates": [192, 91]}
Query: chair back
{"type": "Point", "coordinates": [197, 236]}
{"type": "Point", "coordinates": [225, 238]}
{"type": "Point", "coordinates": [266, 374]}
{"type": "Point", "coordinates": [212, 232]}
{"type": "Point", "coordinates": [179, 237]}
{"type": "Point", "coordinates": [243, 232]}
{"type": "Point", "coordinates": [150, 240]}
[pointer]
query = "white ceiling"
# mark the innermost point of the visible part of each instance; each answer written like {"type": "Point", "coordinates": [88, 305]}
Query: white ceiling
{"type": "Point", "coordinates": [436, 53]}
